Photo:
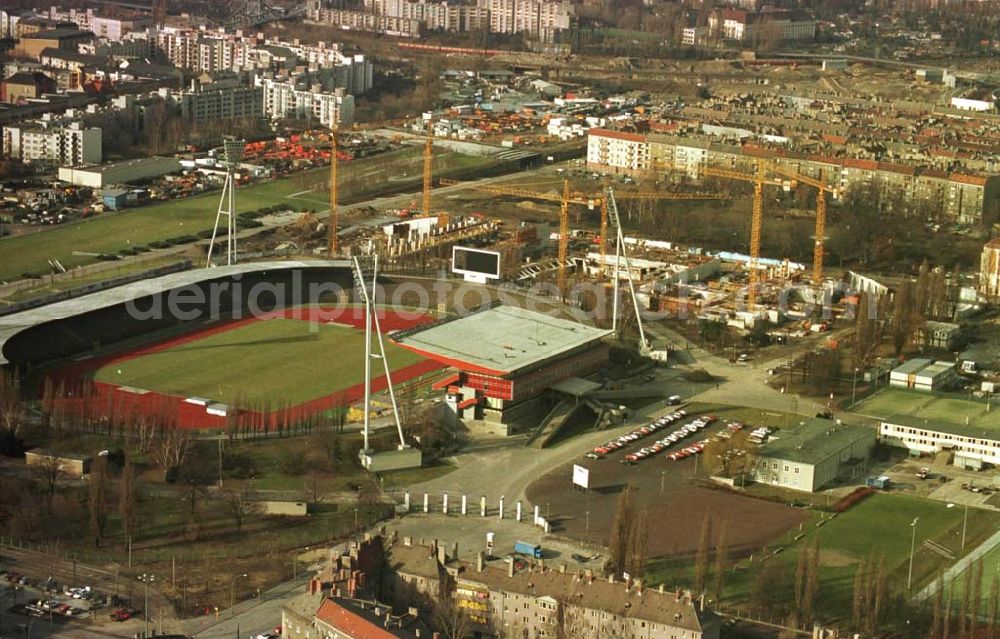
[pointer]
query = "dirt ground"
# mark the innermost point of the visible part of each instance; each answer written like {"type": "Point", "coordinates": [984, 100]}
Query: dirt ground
{"type": "Point", "coordinates": [674, 515]}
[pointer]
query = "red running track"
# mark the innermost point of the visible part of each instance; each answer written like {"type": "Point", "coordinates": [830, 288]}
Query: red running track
{"type": "Point", "coordinates": [113, 399]}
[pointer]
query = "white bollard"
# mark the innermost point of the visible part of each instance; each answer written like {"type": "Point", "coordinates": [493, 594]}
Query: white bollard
{"type": "Point", "coordinates": [482, 506]}
{"type": "Point", "coordinates": [536, 515]}
{"type": "Point", "coordinates": [406, 501]}
{"type": "Point", "coordinates": [501, 506]}
{"type": "Point", "coordinates": [465, 510]}
{"type": "Point", "coordinates": [518, 510]}
{"type": "Point", "coordinates": [444, 506]}
{"type": "Point", "coordinates": [427, 503]}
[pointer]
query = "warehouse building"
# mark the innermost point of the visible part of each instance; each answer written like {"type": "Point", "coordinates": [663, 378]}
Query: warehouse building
{"type": "Point", "coordinates": [973, 447]}
{"type": "Point", "coordinates": [924, 375]}
{"type": "Point", "coordinates": [814, 455]}
{"type": "Point", "coordinates": [505, 356]}
{"type": "Point", "coordinates": [126, 172]}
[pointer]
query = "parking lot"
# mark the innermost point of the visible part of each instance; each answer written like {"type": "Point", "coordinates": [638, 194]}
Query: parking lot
{"type": "Point", "coordinates": [664, 487]}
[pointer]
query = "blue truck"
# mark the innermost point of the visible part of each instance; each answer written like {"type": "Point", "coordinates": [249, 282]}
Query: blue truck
{"type": "Point", "coordinates": [531, 550]}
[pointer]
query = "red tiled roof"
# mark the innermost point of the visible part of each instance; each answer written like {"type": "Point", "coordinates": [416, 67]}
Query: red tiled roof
{"type": "Point", "coordinates": [347, 622]}
{"type": "Point", "coordinates": [968, 179]}
{"type": "Point", "coordinates": [858, 163]}
{"type": "Point", "coordinates": [618, 135]}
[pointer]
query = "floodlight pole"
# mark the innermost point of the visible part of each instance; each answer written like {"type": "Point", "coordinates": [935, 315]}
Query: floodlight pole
{"type": "Point", "coordinates": [385, 358]}
{"type": "Point", "coordinates": [368, 350]}
{"type": "Point", "coordinates": [621, 250]}
{"type": "Point", "coordinates": [233, 153]}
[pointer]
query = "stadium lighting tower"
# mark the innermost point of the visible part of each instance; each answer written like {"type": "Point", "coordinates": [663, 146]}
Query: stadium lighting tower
{"type": "Point", "coordinates": [621, 251]}
{"type": "Point", "coordinates": [232, 151]}
{"type": "Point", "coordinates": [372, 324]}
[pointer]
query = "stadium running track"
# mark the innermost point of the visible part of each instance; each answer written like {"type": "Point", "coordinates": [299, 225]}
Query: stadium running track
{"type": "Point", "coordinates": [118, 400]}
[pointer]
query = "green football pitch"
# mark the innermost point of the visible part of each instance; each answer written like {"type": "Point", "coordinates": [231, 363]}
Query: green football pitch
{"type": "Point", "coordinates": [275, 360]}
{"type": "Point", "coordinates": [952, 408]}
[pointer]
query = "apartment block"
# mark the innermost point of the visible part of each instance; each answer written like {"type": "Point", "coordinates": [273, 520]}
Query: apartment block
{"type": "Point", "coordinates": [433, 15]}
{"type": "Point", "coordinates": [211, 101]}
{"type": "Point", "coordinates": [365, 21]}
{"type": "Point", "coordinates": [539, 19]}
{"type": "Point", "coordinates": [904, 189]}
{"type": "Point", "coordinates": [68, 144]}
{"type": "Point", "coordinates": [282, 99]}
{"type": "Point", "coordinates": [534, 602]}
{"type": "Point", "coordinates": [764, 26]}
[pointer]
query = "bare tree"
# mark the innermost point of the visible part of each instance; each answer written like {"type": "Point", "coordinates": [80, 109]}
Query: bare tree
{"type": "Point", "coordinates": [623, 533]}
{"type": "Point", "coordinates": [50, 469]}
{"type": "Point", "coordinates": [447, 616]}
{"type": "Point", "coordinates": [238, 504]}
{"type": "Point", "coordinates": [702, 557]}
{"type": "Point", "coordinates": [97, 501]}
{"type": "Point", "coordinates": [128, 496]}
{"type": "Point", "coordinates": [170, 449]}
{"type": "Point", "coordinates": [12, 410]}
{"type": "Point", "coordinates": [721, 559]}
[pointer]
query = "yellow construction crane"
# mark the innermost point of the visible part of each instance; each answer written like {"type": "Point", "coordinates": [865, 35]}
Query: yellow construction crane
{"type": "Point", "coordinates": [590, 201]}
{"type": "Point", "coordinates": [822, 189]}
{"type": "Point", "coordinates": [333, 245]}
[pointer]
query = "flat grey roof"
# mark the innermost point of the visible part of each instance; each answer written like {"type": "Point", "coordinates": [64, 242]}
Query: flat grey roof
{"type": "Point", "coordinates": [501, 340]}
{"type": "Point", "coordinates": [814, 440]}
{"type": "Point", "coordinates": [14, 323]}
{"type": "Point", "coordinates": [155, 160]}
{"type": "Point", "coordinates": [912, 366]}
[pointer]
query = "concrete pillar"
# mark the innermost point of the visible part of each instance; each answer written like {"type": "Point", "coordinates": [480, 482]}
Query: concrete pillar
{"type": "Point", "coordinates": [406, 501]}
{"type": "Point", "coordinates": [444, 505]}
{"type": "Point", "coordinates": [465, 505]}
{"type": "Point", "coordinates": [427, 503]}
{"type": "Point", "coordinates": [546, 527]}
{"type": "Point", "coordinates": [501, 506]}
{"type": "Point", "coordinates": [536, 515]}
{"type": "Point", "coordinates": [518, 510]}
{"type": "Point", "coordinates": [482, 506]}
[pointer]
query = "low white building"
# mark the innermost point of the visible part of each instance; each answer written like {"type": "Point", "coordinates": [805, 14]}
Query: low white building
{"type": "Point", "coordinates": [126, 172]}
{"type": "Point", "coordinates": [924, 375]}
{"type": "Point", "coordinates": [972, 447]}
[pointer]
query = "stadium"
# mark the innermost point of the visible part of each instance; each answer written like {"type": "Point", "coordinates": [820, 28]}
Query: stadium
{"type": "Point", "coordinates": [194, 345]}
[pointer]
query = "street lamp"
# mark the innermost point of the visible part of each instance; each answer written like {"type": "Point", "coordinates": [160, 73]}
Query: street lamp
{"type": "Point", "coordinates": [145, 578]}
{"type": "Point", "coordinates": [232, 591]}
{"type": "Point", "coordinates": [854, 387]}
{"type": "Point", "coordinates": [913, 541]}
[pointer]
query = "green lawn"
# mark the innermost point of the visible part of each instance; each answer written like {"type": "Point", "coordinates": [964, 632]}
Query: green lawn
{"type": "Point", "coordinates": [110, 233]}
{"type": "Point", "coordinates": [991, 569]}
{"type": "Point", "coordinates": [951, 408]}
{"type": "Point", "coordinates": [879, 525]}
{"type": "Point", "coordinates": [277, 360]}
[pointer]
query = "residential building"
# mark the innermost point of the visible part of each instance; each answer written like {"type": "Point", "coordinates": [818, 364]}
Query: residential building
{"type": "Point", "coordinates": [767, 25]}
{"type": "Point", "coordinates": [64, 38]}
{"type": "Point", "coordinates": [116, 28]}
{"type": "Point", "coordinates": [9, 20]}
{"type": "Point", "coordinates": [364, 21]}
{"type": "Point", "coordinates": [210, 100]}
{"type": "Point", "coordinates": [340, 617]}
{"type": "Point", "coordinates": [433, 16]}
{"type": "Point", "coordinates": [617, 151]}
{"type": "Point", "coordinates": [939, 335]}
{"type": "Point", "coordinates": [26, 85]}
{"type": "Point", "coordinates": [814, 455]}
{"type": "Point", "coordinates": [972, 447]}
{"type": "Point", "coordinates": [538, 19]}
{"type": "Point", "coordinates": [283, 99]}
{"type": "Point", "coordinates": [691, 36]}
{"type": "Point", "coordinates": [924, 375]}
{"type": "Point", "coordinates": [534, 602]}
{"type": "Point", "coordinates": [909, 189]}
{"type": "Point", "coordinates": [989, 270]}
{"type": "Point", "coordinates": [67, 144]}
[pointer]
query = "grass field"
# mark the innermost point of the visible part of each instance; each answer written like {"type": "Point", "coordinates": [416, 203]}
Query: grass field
{"type": "Point", "coordinates": [879, 526]}
{"type": "Point", "coordinates": [932, 406]}
{"type": "Point", "coordinates": [112, 232]}
{"type": "Point", "coordinates": [991, 569]}
{"type": "Point", "coordinates": [276, 360]}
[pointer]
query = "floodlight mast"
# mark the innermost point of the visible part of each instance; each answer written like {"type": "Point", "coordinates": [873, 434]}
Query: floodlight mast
{"type": "Point", "coordinates": [232, 150]}
{"type": "Point", "coordinates": [621, 251]}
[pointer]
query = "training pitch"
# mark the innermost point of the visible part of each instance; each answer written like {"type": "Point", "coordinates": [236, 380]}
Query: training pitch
{"type": "Point", "coordinates": [950, 408]}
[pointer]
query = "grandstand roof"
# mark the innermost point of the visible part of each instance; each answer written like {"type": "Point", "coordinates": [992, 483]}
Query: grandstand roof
{"type": "Point", "coordinates": [499, 341]}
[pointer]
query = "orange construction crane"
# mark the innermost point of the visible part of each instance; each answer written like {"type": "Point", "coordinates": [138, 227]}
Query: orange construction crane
{"type": "Point", "coordinates": [333, 245]}
{"type": "Point", "coordinates": [822, 189]}
{"type": "Point", "coordinates": [590, 201]}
